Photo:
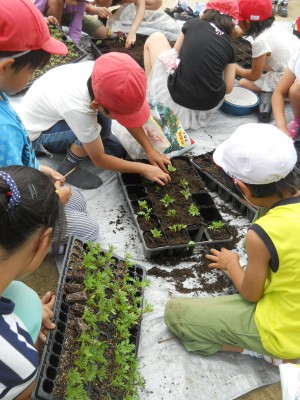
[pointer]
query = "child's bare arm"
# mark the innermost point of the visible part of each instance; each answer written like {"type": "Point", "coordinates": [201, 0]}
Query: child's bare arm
{"type": "Point", "coordinates": [256, 70]}
{"type": "Point", "coordinates": [229, 75]}
{"type": "Point", "coordinates": [250, 283]}
{"type": "Point", "coordinates": [281, 90]}
{"type": "Point", "coordinates": [95, 150]}
{"type": "Point", "coordinates": [139, 15]}
{"type": "Point", "coordinates": [178, 43]}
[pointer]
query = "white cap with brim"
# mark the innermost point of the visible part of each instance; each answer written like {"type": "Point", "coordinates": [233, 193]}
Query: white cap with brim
{"type": "Point", "coordinates": [257, 154]}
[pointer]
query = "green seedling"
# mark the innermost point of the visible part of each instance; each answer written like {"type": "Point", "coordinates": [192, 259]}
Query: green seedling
{"type": "Point", "coordinates": [177, 227]}
{"type": "Point", "coordinates": [183, 183]}
{"type": "Point", "coordinates": [156, 233]}
{"type": "Point", "coordinates": [193, 210]}
{"type": "Point", "coordinates": [186, 193]}
{"type": "Point", "coordinates": [167, 200]}
{"type": "Point", "coordinates": [170, 168]}
{"type": "Point", "coordinates": [216, 225]}
{"type": "Point", "coordinates": [145, 210]}
{"type": "Point", "coordinates": [114, 301]}
{"type": "Point", "coordinates": [171, 212]}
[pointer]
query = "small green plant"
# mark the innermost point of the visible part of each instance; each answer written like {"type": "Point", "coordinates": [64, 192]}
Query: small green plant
{"type": "Point", "coordinates": [186, 193]}
{"type": "Point", "coordinates": [171, 212]}
{"type": "Point", "coordinates": [177, 227]}
{"type": "Point", "coordinates": [170, 168]}
{"type": "Point", "coordinates": [193, 210]}
{"type": "Point", "coordinates": [156, 233]}
{"type": "Point", "coordinates": [167, 200]}
{"type": "Point", "coordinates": [216, 225]}
{"type": "Point", "coordinates": [145, 210]}
{"type": "Point", "coordinates": [183, 183]}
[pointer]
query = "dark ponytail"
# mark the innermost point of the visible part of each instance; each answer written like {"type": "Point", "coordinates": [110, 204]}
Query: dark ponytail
{"type": "Point", "coordinates": [38, 206]}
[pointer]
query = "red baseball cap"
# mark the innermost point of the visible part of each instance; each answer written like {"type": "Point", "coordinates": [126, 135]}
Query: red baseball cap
{"type": "Point", "coordinates": [23, 28]}
{"type": "Point", "coordinates": [119, 85]}
{"type": "Point", "coordinates": [254, 10]}
{"type": "Point", "coordinates": [228, 7]}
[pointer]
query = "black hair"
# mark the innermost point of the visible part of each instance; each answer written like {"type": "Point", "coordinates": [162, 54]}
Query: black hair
{"type": "Point", "coordinates": [257, 27]}
{"type": "Point", "coordinates": [223, 21]}
{"type": "Point", "coordinates": [33, 60]}
{"type": "Point", "coordinates": [39, 206]}
{"type": "Point", "coordinates": [91, 93]}
{"type": "Point", "coordinates": [290, 184]}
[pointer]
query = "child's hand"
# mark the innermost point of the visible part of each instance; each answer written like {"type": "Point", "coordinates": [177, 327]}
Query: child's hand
{"type": "Point", "coordinates": [104, 12]}
{"type": "Point", "coordinates": [52, 174]}
{"type": "Point", "coordinates": [130, 41]}
{"type": "Point", "coordinates": [51, 20]}
{"type": "Point", "coordinates": [161, 160]}
{"type": "Point", "coordinates": [64, 192]}
{"type": "Point", "coordinates": [223, 259]}
{"type": "Point", "coordinates": [155, 174]}
{"type": "Point", "coordinates": [47, 314]}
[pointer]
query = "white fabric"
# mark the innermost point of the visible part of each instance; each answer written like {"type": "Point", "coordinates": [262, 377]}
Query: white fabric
{"type": "Point", "coordinates": [282, 45]}
{"type": "Point", "coordinates": [61, 94]}
{"type": "Point", "coordinates": [157, 88]}
{"type": "Point", "coordinates": [294, 64]}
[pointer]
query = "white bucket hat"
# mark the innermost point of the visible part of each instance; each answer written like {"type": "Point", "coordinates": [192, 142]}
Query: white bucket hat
{"type": "Point", "coordinates": [257, 154]}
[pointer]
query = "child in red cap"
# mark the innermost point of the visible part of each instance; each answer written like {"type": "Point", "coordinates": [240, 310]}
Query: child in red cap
{"type": "Point", "coordinates": [272, 48]}
{"type": "Point", "coordinates": [71, 107]}
{"type": "Point", "coordinates": [193, 77]}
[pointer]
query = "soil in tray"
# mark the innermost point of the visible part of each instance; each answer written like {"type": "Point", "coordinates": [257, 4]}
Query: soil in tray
{"type": "Point", "coordinates": [219, 234]}
{"type": "Point", "coordinates": [114, 44]}
{"type": "Point", "coordinates": [153, 242]}
{"type": "Point", "coordinates": [243, 52]}
{"type": "Point", "coordinates": [206, 163]}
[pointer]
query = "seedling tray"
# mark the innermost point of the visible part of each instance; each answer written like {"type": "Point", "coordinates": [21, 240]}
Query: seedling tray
{"type": "Point", "coordinates": [50, 360]}
{"type": "Point", "coordinates": [104, 46]}
{"type": "Point", "coordinates": [197, 235]}
{"type": "Point", "coordinates": [214, 185]}
{"type": "Point", "coordinates": [75, 54]}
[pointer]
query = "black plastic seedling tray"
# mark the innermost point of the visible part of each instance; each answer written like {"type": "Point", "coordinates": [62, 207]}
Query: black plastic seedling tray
{"type": "Point", "coordinates": [136, 189]}
{"type": "Point", "coordinates": [224, 193]}
{"type": "Point", "coordinates": [45, 382]}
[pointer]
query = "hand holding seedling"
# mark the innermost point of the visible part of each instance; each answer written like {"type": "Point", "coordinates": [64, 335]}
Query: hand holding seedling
{"type": "Point", "coordinates": [156, 158]}
{"type": "Point", "coordinates": [130, 41]}
{"type": "Point", "coordinates": [104, 12]}
{"type": "Point", "coordinates": [155, 174]}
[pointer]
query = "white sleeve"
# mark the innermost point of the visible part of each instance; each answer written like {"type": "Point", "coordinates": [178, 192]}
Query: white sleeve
{"type": "Point", "coordinates": [83, 124]}
{"type": "Point", "coordinates": [260, 47]}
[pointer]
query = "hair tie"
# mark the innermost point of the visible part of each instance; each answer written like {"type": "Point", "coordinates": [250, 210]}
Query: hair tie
{"type": "Point", "coordinates": [13, 194]}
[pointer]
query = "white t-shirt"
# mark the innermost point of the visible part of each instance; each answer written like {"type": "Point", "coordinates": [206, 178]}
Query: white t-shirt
{"type": "Point", "coordinates": [280, 43]}
{"type": "Point", "coordinates": [292, 62]}
{"type": "Point", "coordinates": [61, 94]}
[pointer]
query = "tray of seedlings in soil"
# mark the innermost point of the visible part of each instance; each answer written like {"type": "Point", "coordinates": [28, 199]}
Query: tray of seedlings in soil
{"type": "Point", "coordinates": [117, 43]}
{"type": "Point", "coordinates": [209, 172]}
{"type": "Point", "coordinates": [243, 52]}
{"type": "Point", "coordinates": [92, 352]}
{"type": "Point", "coordinates": [178, 217]}
{"type": "Point", "coordinates": [75, 54]}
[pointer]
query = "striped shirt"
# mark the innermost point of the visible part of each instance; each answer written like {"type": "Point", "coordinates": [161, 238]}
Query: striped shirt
{"type": "Point", "coordinates": [18, 357]}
